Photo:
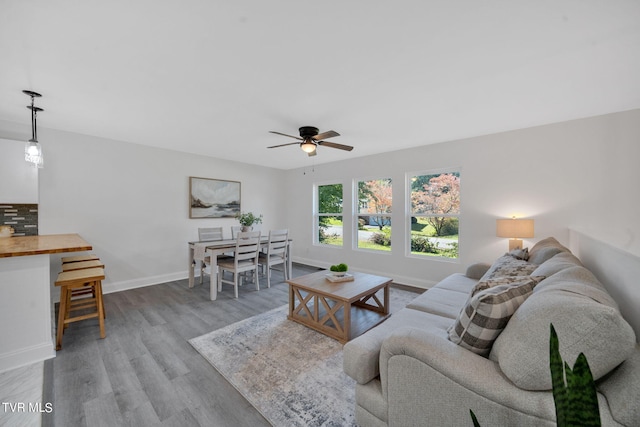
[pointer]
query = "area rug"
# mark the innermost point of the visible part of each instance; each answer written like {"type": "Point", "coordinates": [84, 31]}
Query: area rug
{"type": "Point", "coordinates": [291, 374]}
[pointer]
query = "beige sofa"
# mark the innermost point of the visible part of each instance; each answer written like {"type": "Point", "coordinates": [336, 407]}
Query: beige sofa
{"type": "Point", "coordinates": [410, 373]}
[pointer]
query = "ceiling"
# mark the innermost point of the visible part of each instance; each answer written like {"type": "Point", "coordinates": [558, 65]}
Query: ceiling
{"type": "Point", "coordinates": [213, 77]}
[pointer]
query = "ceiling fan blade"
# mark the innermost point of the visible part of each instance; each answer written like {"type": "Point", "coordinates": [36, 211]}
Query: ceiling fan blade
{"type": "Point", "coordinates": [283, 145]}
{"type": "Point", "coordinates": [284, 134]}
{"type": "Point", "coordinates": [325, 135]}
{"type": "Point", "coordinates": [334, 145]}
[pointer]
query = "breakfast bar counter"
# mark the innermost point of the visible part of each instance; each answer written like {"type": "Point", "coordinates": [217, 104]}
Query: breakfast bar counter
{"type": "Point", "coordinates": [26, 309]}
{"type": "Point", "coordinates": [38, 245]}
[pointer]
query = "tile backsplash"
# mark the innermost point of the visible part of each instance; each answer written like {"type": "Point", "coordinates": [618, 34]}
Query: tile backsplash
{"type": "Point", "coordinates": [22, 217]}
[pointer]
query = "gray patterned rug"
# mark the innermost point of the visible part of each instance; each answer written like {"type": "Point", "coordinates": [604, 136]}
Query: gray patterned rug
{"type": "Point", "coordinates": [291, 374]}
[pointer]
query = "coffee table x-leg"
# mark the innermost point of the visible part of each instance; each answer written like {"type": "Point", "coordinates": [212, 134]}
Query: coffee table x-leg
{"type": "Point", "coordinates": [340, 310]}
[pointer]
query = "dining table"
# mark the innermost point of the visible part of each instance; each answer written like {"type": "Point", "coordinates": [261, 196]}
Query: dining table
{"type": "Point", "coordinates": [213, 248]}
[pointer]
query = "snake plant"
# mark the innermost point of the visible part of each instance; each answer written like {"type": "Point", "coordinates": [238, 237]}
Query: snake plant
{"type": "Point", "coordinates": [574, 392]}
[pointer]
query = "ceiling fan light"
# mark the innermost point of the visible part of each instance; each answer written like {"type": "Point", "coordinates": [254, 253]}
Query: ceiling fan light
{"type": "Point", "coordinates": [308, 146]}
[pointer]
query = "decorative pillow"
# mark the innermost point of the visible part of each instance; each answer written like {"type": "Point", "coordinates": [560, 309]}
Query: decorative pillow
{"type": "Point", "coordinates": [477, 270]}
{"type": "Point", "coordinates": [583, 326]}
{"type": "Point", "coordinates": [508, 266]}
{"type": "Point", "coordinates": [497, 281]}
{"type": "Point", "coordinates": [486, 314]}
{"type": "Point", "coordinates": [556, 264]}
{"type": "Point", "coordinates": [545, 249]}
{"type": "Point", "coordinates": [522, 254]}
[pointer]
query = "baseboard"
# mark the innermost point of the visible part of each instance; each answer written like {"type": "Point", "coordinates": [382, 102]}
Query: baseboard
{"type": "Point", "coordinates": [401, 280]}
{"type": "Point", "coordinates": [125, 285]}
{"type": "Point", "coordinates": [27, 356]}
{"type": "Point", "coordinates": [109, 287]}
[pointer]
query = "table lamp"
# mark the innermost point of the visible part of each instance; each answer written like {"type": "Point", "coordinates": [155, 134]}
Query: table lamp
{"type": "Point", "coordinates": [515, 230]}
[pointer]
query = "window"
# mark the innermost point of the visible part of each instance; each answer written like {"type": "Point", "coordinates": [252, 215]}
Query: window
{"type": "Point", "coordinates": [374, 214]}
{"type": "Point", "coordinates": [434, 214]}
{"type": "Point", "coordinates": [329, 214]}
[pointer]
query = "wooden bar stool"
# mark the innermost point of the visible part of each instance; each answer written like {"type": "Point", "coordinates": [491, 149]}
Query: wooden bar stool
{"type": "Point", "coordinates": [89, 279]}
{"type": "Point", "coordinates": [79, 258]}
{"type": "Point", "coordinates": [81, 265]}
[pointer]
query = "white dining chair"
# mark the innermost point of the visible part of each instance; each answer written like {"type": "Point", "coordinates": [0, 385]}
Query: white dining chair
{"type": "Point", "coordinates": [208, 235]}
{"type": "Point", "coordinates": [235, 229]}
{"type": "Point", "coordinates": [245, 259]}
{"type": "Point", "coordinates": [276, 253]}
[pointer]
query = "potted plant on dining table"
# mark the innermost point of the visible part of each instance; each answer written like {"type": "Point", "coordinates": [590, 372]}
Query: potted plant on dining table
{"type": "Point", "coordinates": [248, 219]}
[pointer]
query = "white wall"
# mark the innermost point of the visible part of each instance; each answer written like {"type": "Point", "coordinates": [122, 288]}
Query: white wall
{"type": "Point", "coordinates": [18, 179]}
{"type": "Point", "coordinates": [131, 202]}
{"type": "Point", "coordinates": [579, 173]}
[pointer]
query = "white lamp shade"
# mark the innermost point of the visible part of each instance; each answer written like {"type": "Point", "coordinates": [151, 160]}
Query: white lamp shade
{"type": "Point", "coordinates": [514, 228]}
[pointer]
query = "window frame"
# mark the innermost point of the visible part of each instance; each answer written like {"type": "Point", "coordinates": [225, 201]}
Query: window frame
{"type": "Point", "coordinates": [410, 214]}
{"type": "Point", "coordinates": [356, 215]}
{"type": "Point", "coordinates": [317, 214]}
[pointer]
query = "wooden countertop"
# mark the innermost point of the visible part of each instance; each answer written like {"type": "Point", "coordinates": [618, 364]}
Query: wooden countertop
{"type": "Point", "coordinates": [44, 244]}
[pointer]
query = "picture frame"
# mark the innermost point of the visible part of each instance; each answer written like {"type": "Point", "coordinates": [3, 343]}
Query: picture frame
{"type": "Point", "coordinates": [213, 198]}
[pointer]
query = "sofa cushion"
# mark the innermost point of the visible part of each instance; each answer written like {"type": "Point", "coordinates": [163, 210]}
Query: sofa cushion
{"type": "Point", "coordinates": [545, 249]}
{"type": "Point", "coordinates": [457, 282]}
{"type": "Point", "coordinates": [556, 263]}
{"type": "Point", "coordinates": [440, 301]}
{"type": "Point", "coordinates": [507, 266]}
{"type": "Point", "coordinates": [585, 318]}
{"type": "Point", "coordinates": [578, 280]}
{"type": "Point", "coordinates": [361, 355]}
{"type": "Point", "coordinates": [622, 390]}
{"type": "Point", "coordinates": [487, 312]}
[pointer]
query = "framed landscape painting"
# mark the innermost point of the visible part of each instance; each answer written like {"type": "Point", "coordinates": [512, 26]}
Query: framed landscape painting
{"type": "Point", "coordinates": [213, 198]}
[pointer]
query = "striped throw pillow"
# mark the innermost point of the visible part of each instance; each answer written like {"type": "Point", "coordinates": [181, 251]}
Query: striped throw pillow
{"type": "Point", "coordinates": [486, 314]}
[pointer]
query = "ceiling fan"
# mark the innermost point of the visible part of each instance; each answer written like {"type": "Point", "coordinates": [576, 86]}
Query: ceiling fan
{"type": "Point", "coordinates": [310, 139]}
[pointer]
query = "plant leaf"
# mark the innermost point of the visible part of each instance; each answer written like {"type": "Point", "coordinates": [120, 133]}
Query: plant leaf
{"type": "Point", "coordinates": [583, 398]}
{"type": "Point", "coordinates": [560, 397]}
{"type": "Point", "coordinates": [576, 400]}
{"type": "Point", "coordinates": [474, 419]}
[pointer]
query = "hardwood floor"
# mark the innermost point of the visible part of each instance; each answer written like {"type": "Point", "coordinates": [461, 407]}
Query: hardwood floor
{"type": "Point", "coordinates": [145, 373]}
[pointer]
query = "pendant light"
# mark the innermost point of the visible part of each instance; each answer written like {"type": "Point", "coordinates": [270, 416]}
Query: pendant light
{"type": "Point", "coordinates": [33, 150]}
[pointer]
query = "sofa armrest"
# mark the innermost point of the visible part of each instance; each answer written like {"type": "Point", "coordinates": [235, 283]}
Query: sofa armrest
{"type": "Point", "coordinates": [457, 363]}
{"type": "Point", "coordinates": [477, 270]}
{"type": "Point", "coordinates": [422, 370]}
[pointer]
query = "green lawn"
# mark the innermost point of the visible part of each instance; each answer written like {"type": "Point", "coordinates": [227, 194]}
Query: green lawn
{"type": "Point", "coordinates": [420, 228]}
{"type": "Point", "coordinates": [370, 245]}
{"type": "Point", "coordinates": [336, 241]}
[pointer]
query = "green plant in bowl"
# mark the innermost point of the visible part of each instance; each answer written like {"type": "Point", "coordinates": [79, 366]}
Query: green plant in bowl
{"type": "Point", "coordinates": [339, 270]}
